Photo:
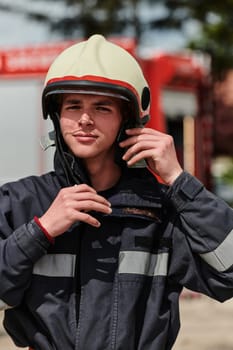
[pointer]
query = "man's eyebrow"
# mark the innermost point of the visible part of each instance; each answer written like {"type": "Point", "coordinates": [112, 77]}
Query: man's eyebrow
{"type": "Point", "coordinates": [106, 102]}
{"type": "Point", "coordinates": [103, 102]}
{"type": "Point", "coordinates": [72, 100]}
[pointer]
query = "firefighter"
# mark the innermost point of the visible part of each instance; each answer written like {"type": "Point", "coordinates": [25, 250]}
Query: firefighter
{"type": "Point", "coordinates": [94, 254]}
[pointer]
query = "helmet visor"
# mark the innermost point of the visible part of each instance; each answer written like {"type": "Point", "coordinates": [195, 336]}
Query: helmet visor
{"type": "Point", "coordinates": [88, 92]}
{"type": "Point", "coordinates": [52, 94]}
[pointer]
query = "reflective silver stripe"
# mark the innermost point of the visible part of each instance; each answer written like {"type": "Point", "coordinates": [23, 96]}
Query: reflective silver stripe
{"type": "Point", "coordinates": [222, 257]}
{"type": "Point", "coordinates": [4, 306]}
{"type": "Point", "coordinates": [55, 265]}
{"type": "Point", "coordinates": [143, 263]}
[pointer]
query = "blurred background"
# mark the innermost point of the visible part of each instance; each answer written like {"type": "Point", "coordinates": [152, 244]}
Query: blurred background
{"type": "Point", "coordinates": [185, 49]}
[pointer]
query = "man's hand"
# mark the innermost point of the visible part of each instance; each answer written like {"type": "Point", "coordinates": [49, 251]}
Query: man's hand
{"type": "Point", "coordinates": [72, 204]}
{"type": "Point", "coordinates": [156, 148]}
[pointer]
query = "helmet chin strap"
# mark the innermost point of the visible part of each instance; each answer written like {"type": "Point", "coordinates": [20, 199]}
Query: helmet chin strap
{"type": "Point", "coordinates": [145, 120]}
{"type": "Point", "coordinates": [71, 176]}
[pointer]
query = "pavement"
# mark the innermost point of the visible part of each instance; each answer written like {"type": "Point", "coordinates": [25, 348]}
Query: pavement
{"type": "Point", "coordinates": [205, 324]}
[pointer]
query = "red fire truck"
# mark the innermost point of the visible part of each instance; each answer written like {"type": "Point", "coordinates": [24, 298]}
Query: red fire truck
{"type": "Point", "coordinates": [181, 106]}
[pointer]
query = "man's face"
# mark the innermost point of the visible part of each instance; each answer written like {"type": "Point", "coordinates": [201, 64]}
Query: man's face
{"type": "Point", "coordinates": [90, 124]}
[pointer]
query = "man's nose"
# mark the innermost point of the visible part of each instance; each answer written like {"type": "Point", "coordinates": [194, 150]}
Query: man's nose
{"type": "Point", "coordinates": [85, 119]}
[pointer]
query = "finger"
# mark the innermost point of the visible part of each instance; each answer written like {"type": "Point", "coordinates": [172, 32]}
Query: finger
{"type": "Point", "coordinates": [138, 138]}
{"type": "Point", "coordinates": [88, 219]}
{"type": "Point", "coordinates": [139, 131]}
{"type": "Point", "coordinates": [91, 197]}
{"type": "Point", "coordinates": [82, 188]}
{"type": "Point", "coordinates": [89, 205]}
{"type": "Point", "coordinates": [86, 191]}
{"type": "Point", "coordinates": [76, 189]}
{"type": "Point", "coordinates": [135, 140]}
{"type": "Point", "coordinates": [139, 156]}
{"type": "Point", "coordinates": [67, 196]}
{"type": "Point", "coordinates": [140, 146]}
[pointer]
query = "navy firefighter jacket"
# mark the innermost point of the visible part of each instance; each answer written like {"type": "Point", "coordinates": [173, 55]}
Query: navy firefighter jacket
{"type": "Point", "coordinates": [115, 287]}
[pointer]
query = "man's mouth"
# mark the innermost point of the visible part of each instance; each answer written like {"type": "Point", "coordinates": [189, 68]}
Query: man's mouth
{"type": "Point", "coordinates": [85, 137]}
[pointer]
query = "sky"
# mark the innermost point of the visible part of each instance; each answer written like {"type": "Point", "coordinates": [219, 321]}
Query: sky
{"type": "Point", "coordinates": [17, 30]}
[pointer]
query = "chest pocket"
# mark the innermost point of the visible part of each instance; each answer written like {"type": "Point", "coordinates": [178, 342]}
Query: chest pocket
{"type": "Point", "coordinates": [144, 250]}
{"type": "Point", "coordinates": [140, 225]}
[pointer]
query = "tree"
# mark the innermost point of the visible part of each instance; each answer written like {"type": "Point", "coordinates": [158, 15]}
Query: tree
{"type": "Point", "coordinates": [216, 36]}
{"type": "Point", "coordinates": [95, 16]}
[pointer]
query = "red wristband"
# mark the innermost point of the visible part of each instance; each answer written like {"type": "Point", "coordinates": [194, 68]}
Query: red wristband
{"type": "Point", "coordinates": [37, 221]}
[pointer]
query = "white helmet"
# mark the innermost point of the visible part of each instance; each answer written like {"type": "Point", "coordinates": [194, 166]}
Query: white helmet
{"type": "Point", "coordinates": [100, 67]}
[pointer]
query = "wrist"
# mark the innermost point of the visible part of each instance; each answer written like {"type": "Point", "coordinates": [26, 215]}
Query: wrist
{"type": "Point", "coordinates": [169, 181]}
{"type": "Point", "coordinates": [43, 229]}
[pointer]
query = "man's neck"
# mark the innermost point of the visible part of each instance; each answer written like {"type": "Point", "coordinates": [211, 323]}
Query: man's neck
{"type": "Point", "coordinates": [103, 175]}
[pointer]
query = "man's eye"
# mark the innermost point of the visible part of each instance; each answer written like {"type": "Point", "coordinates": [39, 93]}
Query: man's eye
{"type": "Point", "coordinates": [73, 107]}
{"type": "Point", "coordinates": [103, 109]}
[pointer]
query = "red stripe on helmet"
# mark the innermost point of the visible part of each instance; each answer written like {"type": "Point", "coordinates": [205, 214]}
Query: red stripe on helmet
{"type": "Point", "coordinates": [97, 79]}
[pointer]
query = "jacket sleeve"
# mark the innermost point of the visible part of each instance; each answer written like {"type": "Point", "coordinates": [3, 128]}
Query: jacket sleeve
{"type": "Point", "coordinates": [20, 248]}
{"type": "Point", "coordinates": [202, 235]}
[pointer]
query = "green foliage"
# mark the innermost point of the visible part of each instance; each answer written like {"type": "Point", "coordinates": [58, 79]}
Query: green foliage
{"type": "Point", "coordinates": [216, 20]}
{"type": "Point", "coordinates": [99, 16]}
{"type": "Point", "coordinates": [228, 174]}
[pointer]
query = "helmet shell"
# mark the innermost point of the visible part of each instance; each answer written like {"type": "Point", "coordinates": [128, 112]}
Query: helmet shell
{"type": "Point", "coordinates": [99, 66]}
